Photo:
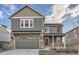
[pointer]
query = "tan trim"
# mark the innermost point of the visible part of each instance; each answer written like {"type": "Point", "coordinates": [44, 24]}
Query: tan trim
{"type": "Point", "coordinates": [25, 32]}
{"type": "Point", "coordinates": [29, 17]}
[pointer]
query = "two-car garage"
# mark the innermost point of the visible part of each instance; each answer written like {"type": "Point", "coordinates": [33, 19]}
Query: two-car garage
{"type": "Point", "coordinates": [27, 41]}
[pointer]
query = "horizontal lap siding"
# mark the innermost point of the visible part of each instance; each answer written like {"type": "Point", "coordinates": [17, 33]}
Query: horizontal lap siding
{"type": "Point", "coordinates": [15, 25]}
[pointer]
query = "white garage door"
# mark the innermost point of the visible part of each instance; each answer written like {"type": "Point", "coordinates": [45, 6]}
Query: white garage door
{"type": "Point", "coordinates": [27, 43]}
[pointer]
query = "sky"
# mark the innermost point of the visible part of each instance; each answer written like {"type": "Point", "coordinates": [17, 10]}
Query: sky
{"type": "Point", "coordinates": [66, 14]}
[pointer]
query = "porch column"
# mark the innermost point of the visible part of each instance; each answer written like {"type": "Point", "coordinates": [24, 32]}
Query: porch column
{"type": "Point", "coordinates": [41, 42]}
{"type": "Point", "coordinates": [14, 43]}
{"type": "Point", "coordinates": [53, 42]}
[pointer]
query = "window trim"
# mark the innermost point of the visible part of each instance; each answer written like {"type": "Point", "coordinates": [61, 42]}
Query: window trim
{"type": "Point", "coordinates": [47, 30]}
{"type": "Point", "coordinates": [29, 19]}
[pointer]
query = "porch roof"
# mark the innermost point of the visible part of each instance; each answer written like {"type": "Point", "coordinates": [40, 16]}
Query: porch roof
{"type": "Point", "coordinates": [53, 34]}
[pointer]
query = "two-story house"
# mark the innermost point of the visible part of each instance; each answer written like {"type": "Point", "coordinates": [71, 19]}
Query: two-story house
{"type": "Point", "coordinates": [29, 30]}
{"type": "Point", "coordinates": [53, 35]}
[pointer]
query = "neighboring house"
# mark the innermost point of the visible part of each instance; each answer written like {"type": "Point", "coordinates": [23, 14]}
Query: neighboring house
{"type": "Point", "coordinates": [53, 35]}
{"type": "Point", "coordinates": [4, 35]}
{"type": "Point", "coordinates": [29, 30]}
{"type": "Point", "coordinates": [72, 39]}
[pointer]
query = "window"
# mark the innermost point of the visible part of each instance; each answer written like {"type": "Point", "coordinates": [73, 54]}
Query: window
{"type": "Point", "coordinates": [21, 23]}
{"type": "Point", "coordinates": [46, 29]}
{"type": "Point", "coordinates": [75, 35]}
{"type": "Point", "coordinates": [58, 29]}
{"type": "Point", "coordinates": [31, 23]}
{"type": "Point", "coordinates": [26, 23]}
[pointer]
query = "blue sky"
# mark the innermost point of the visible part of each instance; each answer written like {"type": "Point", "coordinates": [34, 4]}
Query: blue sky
{"type": "Point", "coordinates": [44, 9]}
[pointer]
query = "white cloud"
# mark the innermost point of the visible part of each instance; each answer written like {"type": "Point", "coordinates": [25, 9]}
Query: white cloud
{"type": "Point", "coordinates": [12, 7]}
{"type": "Point", "coordinates": [1, 14]}
{"type": "Point", "coordinates": [58, 10]}
{"type": "Point", "coordinates": [75, 11]}
{"type": "Point", "coordinates": [8, 13]}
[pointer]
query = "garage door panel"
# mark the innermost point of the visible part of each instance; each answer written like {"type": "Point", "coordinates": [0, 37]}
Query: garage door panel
{"type": "Point", "coordinates": [27, 43]}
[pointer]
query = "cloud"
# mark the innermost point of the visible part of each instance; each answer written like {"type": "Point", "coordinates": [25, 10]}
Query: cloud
{"type": "Point", "coordinates": [12, 8]}
{"type": "Point", "coordinates": [8, 13]}
{"type": "Point", "coordinates": [58, 10]}
{"type": "Point", "coordinates": [1, 14]}
{"type": "Point", "coordinates": [74, 11]}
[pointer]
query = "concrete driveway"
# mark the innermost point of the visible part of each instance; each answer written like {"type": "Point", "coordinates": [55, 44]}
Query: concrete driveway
{"type": "Point", "coordinates": [21, 52]}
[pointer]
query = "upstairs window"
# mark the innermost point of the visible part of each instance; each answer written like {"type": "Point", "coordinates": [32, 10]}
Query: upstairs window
{"type": "Point", "coordinates": [26, 23]}
{"type": "Point", "coordinates": [21, 23]}
{"type": "Point", "coordinates": [58, 29]}
{"type": "Point", "coordinates": [31, 23]}
{"type": "Point", "coordinates": [46, 29]}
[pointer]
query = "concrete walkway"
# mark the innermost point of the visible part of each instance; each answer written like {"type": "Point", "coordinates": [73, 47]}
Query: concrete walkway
{"type": "Point", "coordinates": [21, 52]}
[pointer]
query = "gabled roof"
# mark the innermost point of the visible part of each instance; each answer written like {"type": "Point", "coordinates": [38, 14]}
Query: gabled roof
{"type": "Point", "coordinates": [72, 30]}
{"type": "Point", "coordinates": [23, 8]}
{"type": "Point", "coordinates": [3, 25]}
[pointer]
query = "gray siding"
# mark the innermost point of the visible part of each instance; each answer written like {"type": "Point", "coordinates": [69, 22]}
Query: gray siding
{"type": "Point", "coordinates": [54, 29]}
{"type": "Point", "coordinates": [15, 25]}
{"type": "Point", "coordinates": [71, 34]}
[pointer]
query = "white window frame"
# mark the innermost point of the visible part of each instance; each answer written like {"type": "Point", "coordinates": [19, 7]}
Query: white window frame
{"type": "Point", "coordinates": [29, 26]}
{"type": "Point", "coordinates": [47, 29]}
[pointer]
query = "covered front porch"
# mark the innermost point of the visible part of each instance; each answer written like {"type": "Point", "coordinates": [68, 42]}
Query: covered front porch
{"type": "Point", "coordinates": [53, 41]}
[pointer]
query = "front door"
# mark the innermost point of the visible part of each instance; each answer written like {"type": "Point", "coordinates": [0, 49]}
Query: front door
{"type": "Point", "coordinates": [46, 41]}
